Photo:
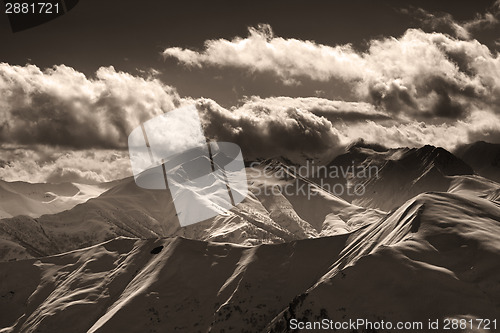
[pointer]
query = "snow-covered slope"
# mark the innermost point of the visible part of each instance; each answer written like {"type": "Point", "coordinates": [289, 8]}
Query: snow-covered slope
{"type": "Point", "coordinates": [21, 198]}
{"type": "Point", "coordinates": [127, 210]}
{"type": "Point", "coordinates": [164, 285]}
{"type": "Point", "coordinates": [395, 175]}
{"type": "Point", "coordinates": [435, 257]}
{"type": "Point", "coordinates": [475, 186]}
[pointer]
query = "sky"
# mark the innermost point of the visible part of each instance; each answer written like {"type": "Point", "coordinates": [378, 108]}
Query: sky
{"type": "Point", "coordinates": [283, 78]}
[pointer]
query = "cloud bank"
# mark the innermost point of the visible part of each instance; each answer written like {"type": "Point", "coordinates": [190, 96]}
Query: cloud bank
{"type": "Point", "coordinates": [48, 164]}
{"type": "Point", "coordinates": [299, 128]}
{"type": "Point", "coordinates": [62, 107]}
{"type": "Point", "coordinates": [419, 75]}
{"type": "Point", "coordinates": [265, 130]}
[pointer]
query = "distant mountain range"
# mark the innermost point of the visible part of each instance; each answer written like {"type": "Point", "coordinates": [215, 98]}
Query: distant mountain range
{"type": "Point", "coordinates": [21, 198]}
{"type": "Point", "coordinates": [127, 210]}
{"type": "Point", "coordinates": [307, 209]}
{"type": "Point", "coordinates": [483, 157]}
{"type": "Point", "coordinates": [400, 173]}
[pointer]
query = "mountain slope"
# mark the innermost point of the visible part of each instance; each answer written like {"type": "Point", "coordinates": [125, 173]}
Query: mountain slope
{"type": "Point", "coordinates": [475, 186]}
{"type": "Point", "coordinates": [483, 157]}
{"type": "Point", "coordinates": [127, 210]}
{"type": "Point", "coordinates": [164, 285]}
{"type": "Point", "coordinates": [20, 198]}
{"type": "Point", "coordinates": [435, 257]}
{"type": "Point", "coordinates": [390, 177]}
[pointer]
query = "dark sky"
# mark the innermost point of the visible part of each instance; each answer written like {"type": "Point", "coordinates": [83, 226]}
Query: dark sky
{"type": "Point", "coordinates": [130, 35]}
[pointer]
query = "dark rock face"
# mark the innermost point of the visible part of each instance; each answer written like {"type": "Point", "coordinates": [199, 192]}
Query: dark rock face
{"type": "Point", "coordinates": [483, 157]}
{"type": "Point", "coordinates": [401, 173]}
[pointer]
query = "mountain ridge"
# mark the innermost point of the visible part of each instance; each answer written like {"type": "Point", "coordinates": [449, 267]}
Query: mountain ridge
{"type": "Point", "coordinates": [428, 265]}
{"type": "Point", "coordinates": [127, 210]}
{"type": "Point", "coordinates": [484, 157]}
{"type": "Point", "coordinates": [401, 173]}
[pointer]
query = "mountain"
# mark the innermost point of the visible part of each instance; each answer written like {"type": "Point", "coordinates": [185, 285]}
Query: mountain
{"type": "Point", "coordinates": [386, 178]}
{"type": "Point", "coordinates": [284, 204]}
{"type": "Point", "coordinates": [435, 257]}
{"type": "Point", "coordinates": [475, 186]}
{"type": "Point", "coordinates": [163, 285]}
{"type": "Point", "coordinates": [265, 216]}
{"type": "Point", "coordinates": [483, 157]}
{"type": "Point", "coordinates": [21, 198]}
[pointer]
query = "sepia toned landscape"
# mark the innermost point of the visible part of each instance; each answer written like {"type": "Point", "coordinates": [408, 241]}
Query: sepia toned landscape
{"type": "Point", "coordinates": [372, 163]}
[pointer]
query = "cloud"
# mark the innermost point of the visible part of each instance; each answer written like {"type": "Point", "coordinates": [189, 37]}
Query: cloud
{"type": "Point", "coordinates": [442, 22]}
{"type": "Point", "coordinates": [73, 175]}
{"type": "Point", "coordinates": [420, 88]}
{"type": "Point", "coordinates": [480, 125]}
{"type": "Point", "coordinates": [484, 127]}
{"type": "Point", "coordinates": [270, 131]}
{"type": "Point", "coordinates": [466, 29]}
{"type": "Point", "coordinates": [483, 21]}
{"type": "Point", "coordinates": [45, 164]}
{"type": "Point", "coordinates": [62, 107]}
{"type": "Point", "coordinates": [335, 111]}
{"type": "Point", "coordinates": [296, 128]}
{"type": "Point", "coordinates": [261, 51]}
{"type": "Point", "coordinates": [418, 75]}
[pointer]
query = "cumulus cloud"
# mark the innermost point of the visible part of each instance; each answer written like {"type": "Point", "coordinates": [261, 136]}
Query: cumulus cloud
{"type": "Point", "coordinates": [61, 175]}
{"type": "Point", "coordinates": [61, 106]}
{"type": "Point", "coordinates": [418, 75]}
{"type": "Point", "coordinates": [445, 22]}
{"type": "Point", "coordinates": [479, 125]}
{"type": "Point", "coordinates": [45, 164]}
{"type": "Point", "coordinates": [483, 126]}
{"type": "Point", "coordinates": [294, 128]}
{"type": "Point", "coordinates": [262, 51]}
{"type": "Point", "coordinates": [332, 110]}
{"type": "Point", "coordinates": [442, 22]}
{"type": "Point", "coordinates": [264, 131]}
{"type": "Point", "coordinates": [299, 128]}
